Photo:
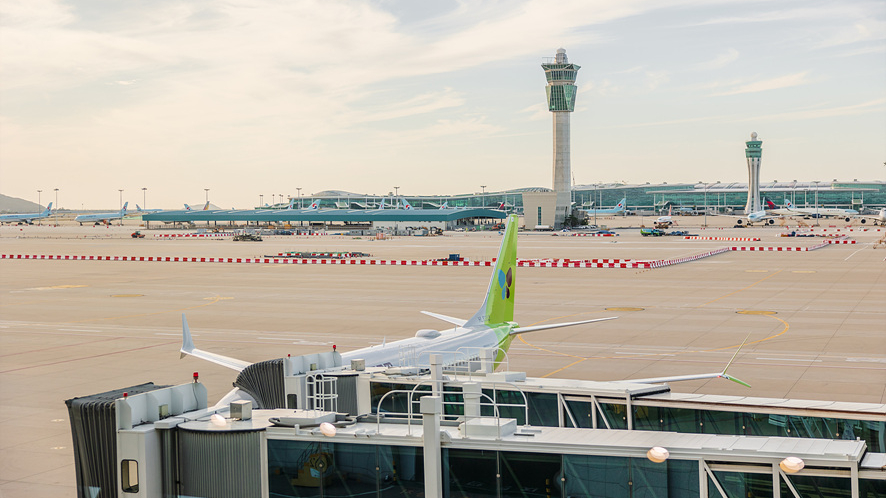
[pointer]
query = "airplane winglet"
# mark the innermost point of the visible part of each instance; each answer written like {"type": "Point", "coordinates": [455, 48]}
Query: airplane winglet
{"type": "Point", "coordinates": [189, 349]}
{"type": "Point", "coordinates": [187, 341]}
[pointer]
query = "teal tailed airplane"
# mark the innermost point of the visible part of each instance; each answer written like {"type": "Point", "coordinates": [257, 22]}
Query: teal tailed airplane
{"type": "Point", "coordinates": [102, 217]}
{"type": "Point", "coordinates": [26, 217]}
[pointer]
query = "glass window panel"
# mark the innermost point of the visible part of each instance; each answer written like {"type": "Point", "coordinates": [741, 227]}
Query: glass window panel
{"type": "Point", "coordinates": [596, 476]}
{"type": "Point", "coordinates": [616, 415]}
{"type": "Point", "coordinates": [401, 471]}
{"type": "Point", "coordinates": [817, 486]}
{"type": "Point", "coordinates": [352, 470]}
{"type": "Point", "coordinates": [742, 485]}
{"type": "Point", "coordinates": [529, 475]}
{"type": "Point", "coordinates": [295, 468]}
{"type": "Point", "coordinates": [870, 488]}
{"type": "Point", "coordinates": [470, 473]}
{"type": "Point", "coordinates": [129, 476]}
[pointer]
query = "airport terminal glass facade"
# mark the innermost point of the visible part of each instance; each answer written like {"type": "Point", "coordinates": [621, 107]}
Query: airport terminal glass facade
{"type": "Point", "coordinates": [718, 197]}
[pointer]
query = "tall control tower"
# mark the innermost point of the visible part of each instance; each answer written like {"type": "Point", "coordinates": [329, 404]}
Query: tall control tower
{"type": "Point", "coordinates": [753, 153]}
{"type": "Point", "coordinates": [561, 90]}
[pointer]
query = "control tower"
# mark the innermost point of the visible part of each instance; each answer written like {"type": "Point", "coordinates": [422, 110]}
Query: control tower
{"type": "Point", "coordinates": [753, 153]}
{"type": "Point", "coordinates": [561, 90]}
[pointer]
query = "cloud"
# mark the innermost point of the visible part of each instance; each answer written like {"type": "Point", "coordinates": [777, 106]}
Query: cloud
{"type": "Point", "coordinates": [654, 79]}
{"type": "Point", "coordinates": [537, 112]}
{"type": "Point", "coordinates": [877, 105]}
{"type": "Point", "coordinates": [786, 81]}
{"type": "Point", "coordinates": [721, 60]}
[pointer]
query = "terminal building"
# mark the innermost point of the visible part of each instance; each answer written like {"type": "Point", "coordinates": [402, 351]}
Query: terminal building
{"type": "Point", "coordinates": [718, 197]}
{"type": "Point", "coordinates": [452, 426]}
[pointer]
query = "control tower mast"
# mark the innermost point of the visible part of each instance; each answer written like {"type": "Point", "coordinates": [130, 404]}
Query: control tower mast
{"type": "Point", "coordinates": [753, 153]}
{"type": "Point", "coordinates": [561, 90]}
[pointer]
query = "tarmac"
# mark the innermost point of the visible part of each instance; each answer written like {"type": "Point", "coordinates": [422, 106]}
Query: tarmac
{"type": "Point", "coordinates": [815, 322]}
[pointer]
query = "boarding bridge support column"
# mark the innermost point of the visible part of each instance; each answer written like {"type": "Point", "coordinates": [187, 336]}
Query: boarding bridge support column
{"type": "Point", "coordinates": [472, 393]}
{"type": "Point", "coordinates": [436, 362]}
{"type": "Point", "coordinates": [431, 410]}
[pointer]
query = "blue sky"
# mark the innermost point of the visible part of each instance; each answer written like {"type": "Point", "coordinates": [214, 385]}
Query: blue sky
{"type": "Point", "coordinates": [250, 97]}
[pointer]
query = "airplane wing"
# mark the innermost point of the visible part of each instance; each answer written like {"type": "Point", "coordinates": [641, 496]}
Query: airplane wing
{"type": "Point", "coordinates": [715, 375]}
{"type": "Point", "coordinates": [189, 349]}
{"type": "Point", "coordinates": [455, 321]}
{"type": "Point", "coordinates": [523, 330]}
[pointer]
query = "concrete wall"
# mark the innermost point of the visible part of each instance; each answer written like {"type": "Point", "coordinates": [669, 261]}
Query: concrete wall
{"type": "Point", "coordinates": [532, 201]}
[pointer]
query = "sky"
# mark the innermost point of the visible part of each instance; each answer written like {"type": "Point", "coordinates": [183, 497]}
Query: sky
{"type": "Point", "coordinates": [261, 97]}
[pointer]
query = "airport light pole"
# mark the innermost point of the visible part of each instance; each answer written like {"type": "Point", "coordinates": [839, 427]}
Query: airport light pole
{"type": "Point", "coordinates": [38, 202]}
{"type": "Point", "coordinates": [145, 197]}
{"type": "Point", "coordinates": [397, 191]}
{"type": "Point", "coordinates": [705, 205]}
{"type": "Point", "coordinates": [299, 196]}
{"type": "Point", "coordinates": [817, 222]}
{"type": "Point", "coordinates": [56, 207]}
{"type": "Point", "coordinates": [207, 194]}
{"type": "Point", "coordinates": [261, 200]}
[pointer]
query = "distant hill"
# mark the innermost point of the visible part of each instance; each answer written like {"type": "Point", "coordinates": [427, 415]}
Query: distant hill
{"type": "Point", "coordinates": [16, 205]}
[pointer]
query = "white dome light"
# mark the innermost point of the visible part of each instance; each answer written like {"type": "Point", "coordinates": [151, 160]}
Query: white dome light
{"type": "Point", "coordinates": [327, 429]}
{"type": "Point", "coordinates": [658, 454]}
{"type": "Point", "coordinates": [217, 420]}
{"type": "Point", "coordinates": [791, 464]}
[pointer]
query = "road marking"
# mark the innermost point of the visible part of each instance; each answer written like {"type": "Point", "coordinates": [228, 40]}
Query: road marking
{"type": "Point", "coordinates": [80, 330]}
{"type": "Point", "coordinates": [869, 360]}
{"type": "Point", "coordinates": [786, 359]}
{"type": "Point", "coordinates": [853, 254]}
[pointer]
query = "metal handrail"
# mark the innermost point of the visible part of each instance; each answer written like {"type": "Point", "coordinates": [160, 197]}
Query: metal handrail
{"type": "Point", "coordinates": [492, 402]}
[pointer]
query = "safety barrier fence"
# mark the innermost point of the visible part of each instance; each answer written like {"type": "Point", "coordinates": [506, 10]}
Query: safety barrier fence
{"type": "Point", "coordinates": [594, 234]}
{"type": "Point", "coordinates": [178, 235]}
{"type": "Point", "coordinates": [525, 263]}
{"type": "Point", "coordinates": [750, 239]}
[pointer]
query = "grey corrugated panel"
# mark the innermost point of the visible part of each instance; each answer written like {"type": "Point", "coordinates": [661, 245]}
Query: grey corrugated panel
{"type": "Point", "coordinates": [220, 464]}
{"type": "Point", "coordinates": [264, 382]}
{"type": "Point", "coordinates": [94, 433]}
{"type": "Point", "coordinates": [346, 386]}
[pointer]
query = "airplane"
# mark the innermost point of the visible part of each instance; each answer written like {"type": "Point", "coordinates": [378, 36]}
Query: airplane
{"type": "Point", "coordinates": [876, 219]}
{"type": "Point", "coordinates": [444, 206]}
{"type": "Point", "coordinates": [102, 217]}
{"type": "Point", "coordinates": [406, 205]}
{"type": "Point", "coordinates": [26, 217]}
{"type": "Point", "coordinates": [664, 221]}
{"type": "Point", "coordinates": [205, 207]}
{"type": "Point", "coordinates": [138, 209]}
{"type": "Point", "coordinates": [491, 327]}
{"type": "Point", "coordinates": [821, 212]}
{"type": "Point", "coordinates": [619, 208]}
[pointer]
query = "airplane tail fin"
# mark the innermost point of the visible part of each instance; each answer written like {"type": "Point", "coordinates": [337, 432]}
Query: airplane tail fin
{"type": "Point", "coordinates": [48, 209]}
{"type": "Point", "coordinates": [406, 205]}
{"type": "Point", "coordinates": [769, 203]}
{"type": "Point", "coordinates": [123, 211]}
{"type": "Point", "coordinates": [189, 349]}
{"type": "Point", "coordinates": [206, 206]}
{"type": "Point", "coordinates": [498, 307]}
{"type": "Point", "coordinates": [187, 208]}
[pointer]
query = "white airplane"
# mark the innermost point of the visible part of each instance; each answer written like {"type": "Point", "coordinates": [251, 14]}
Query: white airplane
{"type": "Point", "coordinates": [876, 219]}
{"type": "Point", "coordinates": [102, 217]}
{"type": "Point", "coordinates": [821, 212]}
{"type": "Point", "coordinates": [664, 221]}
{"type": "Point", "coordinates": [492, 326]}
{"type": "Point", "coordinates": [138, 209]}
{"type": "Point", "coordinates": [26, 217]}
{"type": "Point", "coordinates": [619, 208]}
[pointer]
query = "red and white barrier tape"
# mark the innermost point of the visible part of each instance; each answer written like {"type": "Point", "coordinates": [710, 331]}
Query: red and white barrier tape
{"type": "Point", "coordinates": [751, 239]}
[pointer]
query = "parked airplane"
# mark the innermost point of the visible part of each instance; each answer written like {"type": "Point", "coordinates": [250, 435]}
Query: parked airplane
{"type": "Point", "coordinates": [664, 221]}
{"type": "Point", "coordinates": [205, 207]}
{"type": "Point", "coordinates": [406, 205]}
{"type": "Point", "coordinates": [619, 208]}
{"type": "Point", "coordinates": [821, 212]}
{"type": "Point", "coordinates": [26, 217]}
{"type": "Point", "coordinates": [102, 217]}
{"type": "Point", "coordinates": [138, 209]}
{"type": "Point", "coordinates": [492, 326]}
{"type": "Point", "coordinates": [876, 219]}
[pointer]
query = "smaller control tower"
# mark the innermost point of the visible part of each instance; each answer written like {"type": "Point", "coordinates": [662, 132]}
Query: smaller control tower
{"type": "Point", "coordinates": [753, 153]}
